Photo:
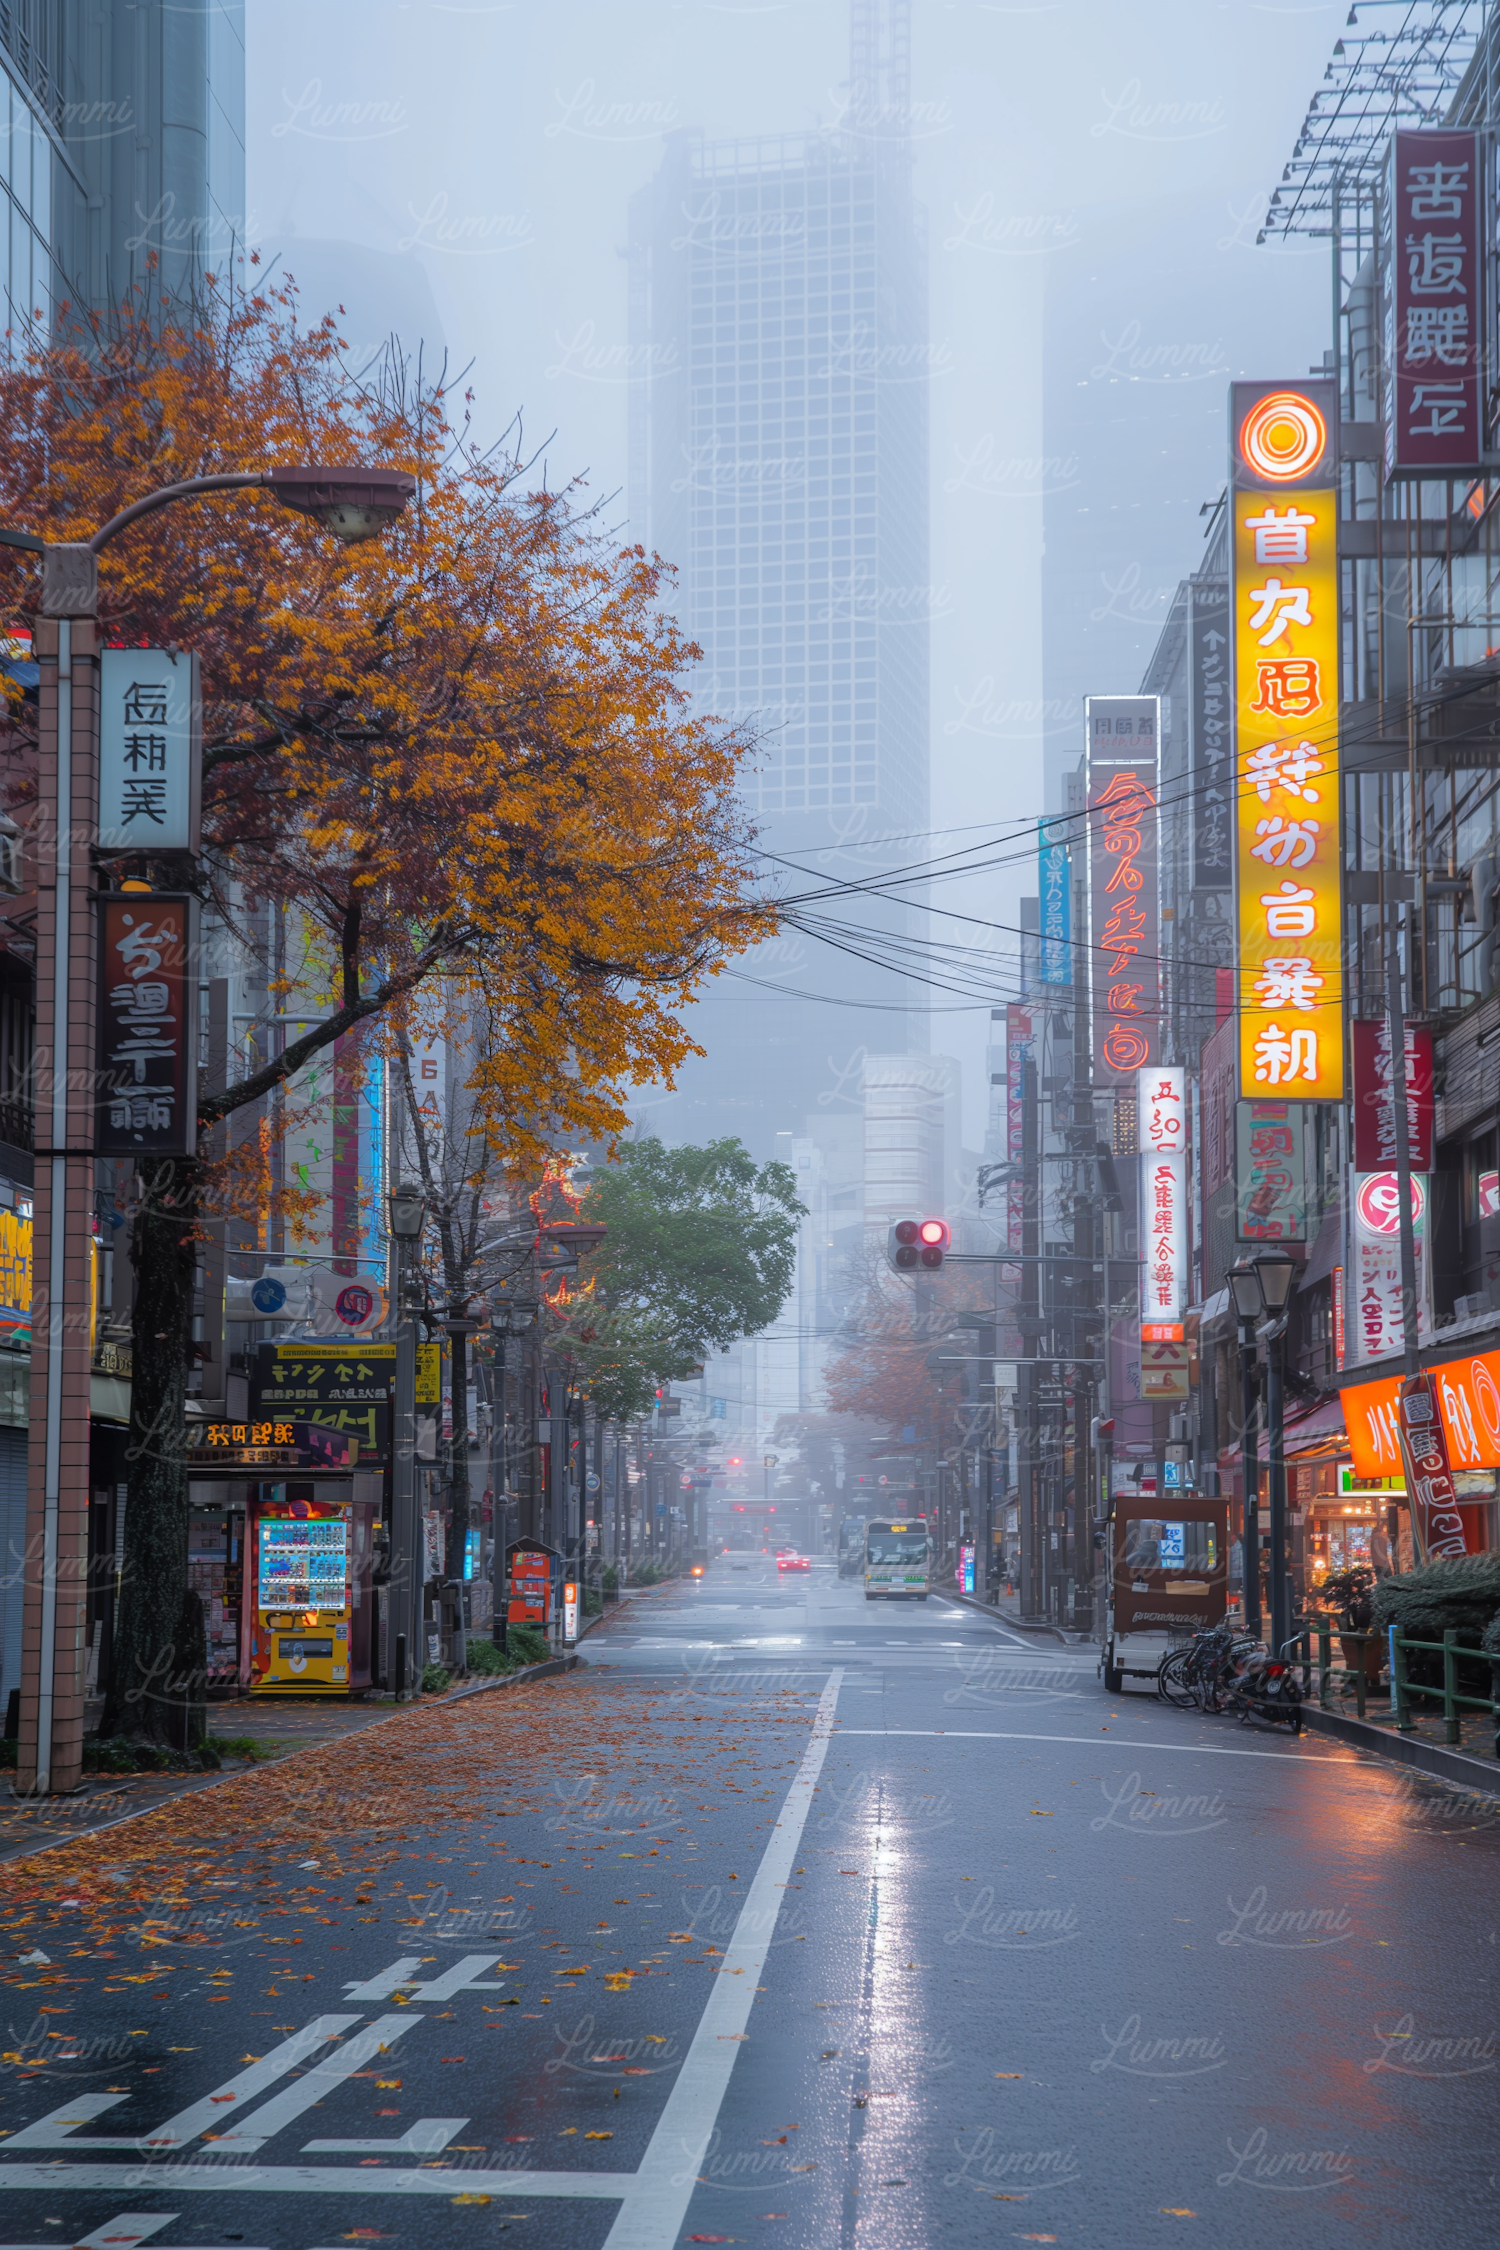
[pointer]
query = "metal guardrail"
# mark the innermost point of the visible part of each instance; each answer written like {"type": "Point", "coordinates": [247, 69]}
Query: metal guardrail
{"type": "Point", "coordinates": [1396, 1646]}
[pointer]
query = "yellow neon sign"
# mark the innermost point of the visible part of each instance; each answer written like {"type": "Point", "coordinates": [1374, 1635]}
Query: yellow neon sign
{"type": "Point", "coordinates": [1288, 856]}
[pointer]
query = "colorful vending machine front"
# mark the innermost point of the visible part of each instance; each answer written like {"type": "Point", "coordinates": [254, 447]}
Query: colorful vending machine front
{"type": "Point", "coordinates": [309, 1595]}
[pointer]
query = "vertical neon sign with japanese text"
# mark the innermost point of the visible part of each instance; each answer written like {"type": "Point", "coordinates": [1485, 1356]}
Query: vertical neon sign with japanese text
{"type": "Point", "coordinates": [1161, 1113]}
{"type": "Point", "coordinates": [1124, 735]}
{"type": "Point", "coordinates": [1284, 612]}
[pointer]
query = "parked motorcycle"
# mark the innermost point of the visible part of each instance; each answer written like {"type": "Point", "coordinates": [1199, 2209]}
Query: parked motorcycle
{"type": "Point", "coordinates": [1268, 1688]}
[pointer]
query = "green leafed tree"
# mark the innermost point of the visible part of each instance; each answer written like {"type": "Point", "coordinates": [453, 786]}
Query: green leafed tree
{"type": "Point", "coordinates": [701, 1249]}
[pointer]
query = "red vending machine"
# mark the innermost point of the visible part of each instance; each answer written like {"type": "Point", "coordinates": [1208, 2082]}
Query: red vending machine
{"type": "Point", "coordinates": [533, 1574]}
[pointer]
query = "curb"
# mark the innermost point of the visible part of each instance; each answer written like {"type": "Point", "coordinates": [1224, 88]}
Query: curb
{"type": "Point", "coordinates": [544, 1671]}
{"type": "Point", "coordinates": [1006, 1617]}
{"type": "Point", "coordinates": [1405, 1749]}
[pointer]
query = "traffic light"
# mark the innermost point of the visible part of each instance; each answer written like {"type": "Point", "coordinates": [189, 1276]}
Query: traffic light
{"type": "Point", "coordinates": [917, 1245]}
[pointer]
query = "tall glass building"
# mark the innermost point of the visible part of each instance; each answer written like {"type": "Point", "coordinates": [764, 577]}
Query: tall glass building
{"type": "Point", "coordinates": [779, 442]}
{"type": "Point", "coordinates": [123, 157]}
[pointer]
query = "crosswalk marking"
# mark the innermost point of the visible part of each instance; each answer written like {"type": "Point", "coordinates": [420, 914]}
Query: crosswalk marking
{"type": "Point", "coordinates": [59, 2128]}
{"type": "Point", "coordinates": [284, 2107]}
{"type": "Point", "coordinates": [126, 2232]}
{"type": "Point", "coordinates": [464, 1976]}
{"type": "Point", "coordinates": [426, 2138]}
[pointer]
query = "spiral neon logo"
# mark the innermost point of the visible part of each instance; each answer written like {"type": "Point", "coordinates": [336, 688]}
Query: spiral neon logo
{"type": "Point", "coordinates": [1487, 1398]}
{"type": "Point", "coordinates": [1378, 1203]}
{"type": "Point", "coordinates": [1282, 436]}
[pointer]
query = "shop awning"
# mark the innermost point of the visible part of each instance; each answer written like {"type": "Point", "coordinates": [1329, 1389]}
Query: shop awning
{"type": "Point", "coordinates": [1320, 1432]}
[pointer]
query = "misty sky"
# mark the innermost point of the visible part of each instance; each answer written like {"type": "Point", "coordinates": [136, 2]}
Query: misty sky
{"type": "Point", "coordinates": [1094, 172]}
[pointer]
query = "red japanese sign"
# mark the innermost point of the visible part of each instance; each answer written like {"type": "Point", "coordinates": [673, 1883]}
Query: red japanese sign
{"type": "Point", "coordinates": [1124, 909]}
{"type": "Point", "coordinates": [148, 1026]}
{"type": "Point", "coordinates": [1374, 1111]}
{"type": "Point", "coordinates": [1429, 1480]}
{"type": "Point", "coordinates": [1433, 301]}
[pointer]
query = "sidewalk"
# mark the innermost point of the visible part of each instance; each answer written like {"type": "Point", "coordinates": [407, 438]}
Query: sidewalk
{"type": "Point", "coordinates": [283, 1730]}
{"type": "Point", "coordinates": [1471, 1759]}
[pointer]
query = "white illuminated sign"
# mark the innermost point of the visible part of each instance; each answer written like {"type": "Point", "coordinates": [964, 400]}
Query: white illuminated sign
{"type": "Point", "coordinates": [149, 717]}
{"type": "Point", "coordinates": [1161, 1110]}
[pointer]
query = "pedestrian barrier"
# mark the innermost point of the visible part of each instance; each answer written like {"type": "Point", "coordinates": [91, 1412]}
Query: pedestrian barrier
{"type": "Point", "coordinates": [1397, 1645]}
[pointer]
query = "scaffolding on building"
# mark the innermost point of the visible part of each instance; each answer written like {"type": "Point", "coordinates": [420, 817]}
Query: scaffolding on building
{"type": "Point", "coordinates": [1399, 63]}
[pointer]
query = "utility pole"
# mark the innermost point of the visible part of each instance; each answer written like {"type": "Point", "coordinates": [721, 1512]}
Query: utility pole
{"type": "Point", "coordinates": [1086, 1246]}
{"type": "Point", "coordinates": [50, 1750]}
{"type": "Point", "coordinates": [1027, 1402]}
{"type": "Point", "coordinates": [407, 1214]}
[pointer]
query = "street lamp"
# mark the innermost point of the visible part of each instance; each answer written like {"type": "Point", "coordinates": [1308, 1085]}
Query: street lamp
{"type": "Point", "coordinates": [406, 1214]}
{"type": "Point", "coordinates": [1244, 1288]}
{"type": "Point", "coordinates": [354, 503]}
{"type": "Point", "coordinates": [1274, 1271]}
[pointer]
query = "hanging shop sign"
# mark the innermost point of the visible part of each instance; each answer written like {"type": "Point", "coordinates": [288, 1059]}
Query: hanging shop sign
{"type": "Point", "coordinates": [1123, 741]}
{"type": "Point", "coordinates": [1018, 1050]}
{"type": "Point", "coordinates": [1270, 1175]}
{"type": "Point", "coordinates": [1285, 624]}
{"type": "Point", "coordinates": [269, 1445]}
{"type": "Point", "coordinates": [146, 1102]}
{"type": "Point", "coordinates": [1165, 1370]}
{"type": "Point", "coordinates": [1212, 736]}
{"type": "Point", "coordinates": [1161, 1121]}
{"type": "Point", "coordinates": [150, 718]}
{"type": "Point", "coordinates": [1374, 1111]}
{"type": "Point", "coordinates": [1375, 1318]}
{"type": "Point", "coordinates": [15, 1276]}
{"type": "Point", "coordinates": [342, 1392]}
{"type": "Point", "coordinates": [1433, 304]}
{"type": "Point", "coordinates": [1055, 890]}
{"type": "Point", "coordinates": [1429, 1479]}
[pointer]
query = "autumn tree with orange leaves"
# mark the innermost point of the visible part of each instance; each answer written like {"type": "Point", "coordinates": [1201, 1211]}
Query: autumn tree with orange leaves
{"type": "Point", "coordinates": [881, 1367]}
{"type": "Point", "coordinates": [462, 753]}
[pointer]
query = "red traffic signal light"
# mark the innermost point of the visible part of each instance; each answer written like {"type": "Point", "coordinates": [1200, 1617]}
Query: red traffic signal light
{"type": "Point", "coordinates": [917, 1244]}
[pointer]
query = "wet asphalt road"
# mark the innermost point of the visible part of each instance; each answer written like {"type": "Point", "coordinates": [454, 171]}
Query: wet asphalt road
{"type": "Point", "coordinates": [930, 1941]}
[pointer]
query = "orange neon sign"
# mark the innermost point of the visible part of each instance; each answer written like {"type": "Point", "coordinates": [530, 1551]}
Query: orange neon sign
{"type": "Point", "coordinates": [1282, 436]}
{"type": "Point", "coordinates": [1468, 1396]}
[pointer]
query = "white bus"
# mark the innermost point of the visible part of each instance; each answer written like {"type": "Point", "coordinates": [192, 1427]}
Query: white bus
{"type": "Point", "coordinates": [897, 1560]}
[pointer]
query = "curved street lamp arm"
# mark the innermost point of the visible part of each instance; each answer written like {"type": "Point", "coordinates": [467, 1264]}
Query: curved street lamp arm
{"type": "Point", "coordinates": [169, 492]}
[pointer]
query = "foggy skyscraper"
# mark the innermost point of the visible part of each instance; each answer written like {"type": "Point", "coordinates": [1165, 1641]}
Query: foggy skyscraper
{"type": "Point", "coordinates": [779, 457]}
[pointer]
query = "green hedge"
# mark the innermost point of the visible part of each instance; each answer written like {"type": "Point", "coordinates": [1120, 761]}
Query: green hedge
{"type": "Point", "coordinates": [1461, 1596]}
{"type": "Point", "coordinates": [527, 1644]}
{"type": "Point", "coordinates": [1439, 1597]}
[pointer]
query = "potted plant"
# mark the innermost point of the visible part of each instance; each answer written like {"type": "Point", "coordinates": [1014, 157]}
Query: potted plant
{"type": "Point", "coordinates": [1348, 1592]}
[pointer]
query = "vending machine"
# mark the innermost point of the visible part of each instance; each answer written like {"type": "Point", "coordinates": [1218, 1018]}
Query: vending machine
{"type": "Point", "coordinates": [535, 1582]}
{"type": "Point", "coordinates": [307, 1593]}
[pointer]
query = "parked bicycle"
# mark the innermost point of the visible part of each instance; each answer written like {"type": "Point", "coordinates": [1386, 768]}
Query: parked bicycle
{"type": "Point", "coordinates": [1201, 1674]}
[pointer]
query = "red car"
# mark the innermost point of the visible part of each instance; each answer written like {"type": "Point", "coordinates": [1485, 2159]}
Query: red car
{"type": "Point", "coordinates": [789, 1559]}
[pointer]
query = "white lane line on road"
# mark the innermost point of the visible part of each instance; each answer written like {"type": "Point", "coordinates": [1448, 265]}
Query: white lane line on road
{"type": "Point", "coordinates": [657, 2198]}
{"type": "Point", "coordinates": [1095, 1741]}
{"type": "Point", "coordinates": [314, 2179]}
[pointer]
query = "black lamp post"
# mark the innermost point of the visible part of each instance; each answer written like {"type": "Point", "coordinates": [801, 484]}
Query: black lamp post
{"type": "Point", "coordinates": [1244, 1289]}
{"type": "Point", "coordinates": [1275, 1271]}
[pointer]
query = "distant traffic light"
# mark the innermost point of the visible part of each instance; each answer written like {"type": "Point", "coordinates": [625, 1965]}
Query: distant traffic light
{"type": "Point", "coordinates": [917, 1244]}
